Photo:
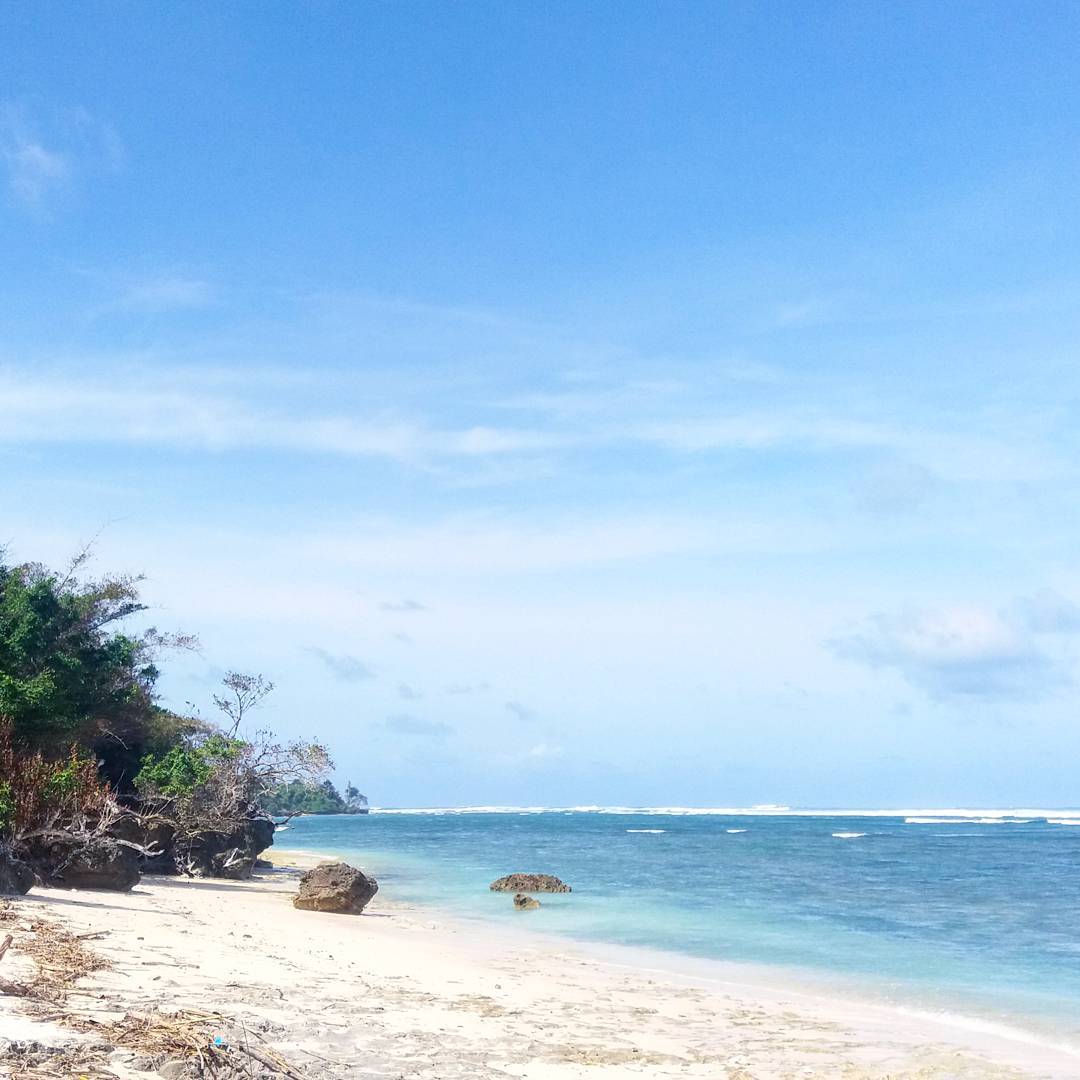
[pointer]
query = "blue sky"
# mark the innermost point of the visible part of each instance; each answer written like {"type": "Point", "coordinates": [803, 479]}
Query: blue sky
{"type": "Point", "coordinates": [607, 403]}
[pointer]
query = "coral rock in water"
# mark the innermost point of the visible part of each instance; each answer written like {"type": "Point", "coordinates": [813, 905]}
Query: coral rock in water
{"type": "Point", "coordinates": [527, 883]}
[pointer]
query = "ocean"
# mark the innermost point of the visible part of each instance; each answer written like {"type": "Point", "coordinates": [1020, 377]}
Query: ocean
{"type": "Point", "coordinates": [974, 912]}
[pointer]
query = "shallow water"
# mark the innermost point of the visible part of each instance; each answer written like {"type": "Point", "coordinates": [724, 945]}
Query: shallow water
{"type": "Point", "coordinates": [976, 914]}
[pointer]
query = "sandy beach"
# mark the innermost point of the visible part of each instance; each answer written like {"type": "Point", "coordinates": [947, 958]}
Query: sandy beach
{"type": "Point", "coordinates": [401, 992]}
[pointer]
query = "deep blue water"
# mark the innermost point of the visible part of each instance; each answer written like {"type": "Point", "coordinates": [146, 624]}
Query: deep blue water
{"type": "Point", "coordinates": [931, 914]}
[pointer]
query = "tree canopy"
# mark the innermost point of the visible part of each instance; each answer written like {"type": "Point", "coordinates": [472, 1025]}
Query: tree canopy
{"type": "Point", "coordinates": [63, 670]}
{"type": "Point", "coordinates": [69, 673]}
{"type": "Point", "coordinates": [308, 798]}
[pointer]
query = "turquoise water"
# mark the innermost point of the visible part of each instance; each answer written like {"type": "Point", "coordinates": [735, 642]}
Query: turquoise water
{"type": "Point", "coordinates": [925, 912]}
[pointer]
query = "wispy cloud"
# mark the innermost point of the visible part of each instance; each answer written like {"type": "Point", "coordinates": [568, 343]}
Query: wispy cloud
{"type": "Point", "coordinates": [761, 430]}
{"type": "Point", "coordinates": [41, 152]}
{"type": "Point", "coordinates": [468, 688]}
{"type": "Point", "coordinates": [408, 693]}
{"type": "Point", "coordinates": [521, 712]}
{"type": "Point", "coordinates": [341, 666]}
{"type": "Point", "coordinates": [33, 171]}
{"type": "Point", "coordinates": [63, 411]}
{"type": "Point", "coordinates": [409, 724]}
{"type": "Point", "coordinates": [203, 410]}
{"type": "Point", "coordinates": [402, 606]}
{"type": "Point", "coordinates": [166, 293]}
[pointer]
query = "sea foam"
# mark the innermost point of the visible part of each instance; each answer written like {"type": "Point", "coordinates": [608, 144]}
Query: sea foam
{"type": "Point", "coordinates": [913, 815]}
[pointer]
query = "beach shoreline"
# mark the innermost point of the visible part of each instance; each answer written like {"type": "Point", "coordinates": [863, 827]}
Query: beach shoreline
{"type": "Point", "coordinates": [937, 1006]}
{"type": "Point", "coordinates": [402, 991]}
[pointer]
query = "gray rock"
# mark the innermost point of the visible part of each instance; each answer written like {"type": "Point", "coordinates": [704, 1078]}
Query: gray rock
{"type": "Point", "coordinates": [71, 862]}
{"type": "Point", "coordinates": [525, 903]}
{"type": "Point", "coordinates": [335, 887]}
{"type": "Point", "coordinates": [528, 883]}
{"type": "Point", "coordinates": [16, 877]}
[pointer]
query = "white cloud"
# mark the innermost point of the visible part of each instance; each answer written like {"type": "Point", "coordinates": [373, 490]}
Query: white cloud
{"type": "Point", "coordinates": [964, 652]}
{"type": "Point", "coordinates": [544, 750]}
{"type": "Point", "coordinates": [759, 430]}
{"type": "Point", "coordinates": [33, 169]}
{"type": "Point", "coordinates": [165, 294]}
{"type": "Point", "coordinates": [41, 154]}
{"type": "Point", "coordinates": [442, 426]}
{"type": "Point", "coordinates": [67, 410]}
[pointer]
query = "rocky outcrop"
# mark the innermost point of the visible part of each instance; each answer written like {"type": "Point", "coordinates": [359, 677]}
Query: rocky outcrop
{"type": "Point", "coordinates": [525, 903]}
{"type": "Point", "coordinates": [68, 861]}
{"type": "Point", "coordinates": [335, 887]}
{"type": "Point", "coordinates": [153, 834]}
{"type": "Point", "coordinates": [228, 852]}
{"type": "Point", "coordinates": [529, 883]}
{"type": "Point", "coordinates": [159, 838]}
{"type": "Point", "coordinates": [225, 853]}
{"type": "Point", "coordinates": [16, 877]}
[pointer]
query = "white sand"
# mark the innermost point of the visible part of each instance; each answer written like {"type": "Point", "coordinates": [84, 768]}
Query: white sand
{"type": "Point", "coordinates": [403, 993]}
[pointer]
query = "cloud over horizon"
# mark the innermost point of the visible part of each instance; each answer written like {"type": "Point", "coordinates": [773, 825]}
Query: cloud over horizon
{"type": "Point", "coordinates": [955, 653]}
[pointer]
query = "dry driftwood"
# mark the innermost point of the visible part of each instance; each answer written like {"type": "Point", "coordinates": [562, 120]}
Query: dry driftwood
{"type": "Point", "coordinates": [12, 989]}
{"type": "Point", "coordinates": [61, 959]}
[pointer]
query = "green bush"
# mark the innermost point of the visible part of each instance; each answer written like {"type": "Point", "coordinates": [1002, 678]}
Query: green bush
{"type": "Point", "coordinates": [183, 769]}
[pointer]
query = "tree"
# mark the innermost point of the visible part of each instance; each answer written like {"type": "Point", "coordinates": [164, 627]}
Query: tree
{"type": "Point", "coordinates": [244, 693]}
{"type": "Point", "coordinates": [355, 802]}
{"type": "Point", "coordinates": [68, 673]}
{"type": "Point", "coordinates": [215, 780]}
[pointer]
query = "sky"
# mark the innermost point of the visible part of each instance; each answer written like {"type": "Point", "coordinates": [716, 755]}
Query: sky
{"type": "Point", "coordinates": [609, 403]}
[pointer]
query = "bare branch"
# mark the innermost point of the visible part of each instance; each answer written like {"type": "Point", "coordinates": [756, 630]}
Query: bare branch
{"type": "Point", "coordinates": [245, 692]}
